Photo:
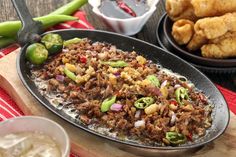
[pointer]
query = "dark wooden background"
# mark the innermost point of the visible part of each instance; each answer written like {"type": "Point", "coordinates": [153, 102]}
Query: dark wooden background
{"type": "Point", "coordinates": [43, 7]}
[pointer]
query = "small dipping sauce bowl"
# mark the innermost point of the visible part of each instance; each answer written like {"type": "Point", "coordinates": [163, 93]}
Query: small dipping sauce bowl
{"type": "Point", "coordinates": [126, 26]}
{"type": "Point", "coordinates": [39, 125]}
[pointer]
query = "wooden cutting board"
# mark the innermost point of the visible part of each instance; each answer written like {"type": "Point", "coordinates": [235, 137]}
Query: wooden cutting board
{"type": "Point", "coordinates": [83, 143]}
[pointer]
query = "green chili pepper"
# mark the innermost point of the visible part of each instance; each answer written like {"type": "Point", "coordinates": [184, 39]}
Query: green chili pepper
{"type": "Point", "coordinates": [106, 104]}
{"type": "Point", "coordinates": [5, 41]}
{"type": "Point", "coordinates": [116, 64]}
{"type": "Point", "coordinates": [71, 41]}
{"type": "Point", "coordinates": [181, 94]}
{"type": "Point", "coordinates": [69, 8]}
{"type": "Point", "coordinates": [53, 42]}
{"type": "Point", "coordinates": [70, 74]}
{"type": "Point", "coordinates": [10, 28]}
{"type": "Point", "coordinates": [36, 53]}
{"type": "Point", "coordinates": [175, 138]}
{"type": "Point", "coordinates": [144, 102]}
{"type": "Point", "coordinates": [154, 80]}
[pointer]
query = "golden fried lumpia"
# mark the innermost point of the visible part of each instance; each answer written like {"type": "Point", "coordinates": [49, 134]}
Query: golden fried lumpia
{"type": "Point", "coordinates": [213, 27]}
{"type": "Point", "coordinates": [204, 8]}
{"type": "Point", "coordinates": [182, 31]}
{"type": "Point", "coordinates": [222, 47]}
{"type": "Point", "coordinates": [196, 42]}
{"type": "Point", "coordinates": [180, 9]}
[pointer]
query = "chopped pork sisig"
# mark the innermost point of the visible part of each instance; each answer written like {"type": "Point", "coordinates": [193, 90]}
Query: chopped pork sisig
{"type": "Point", "coordinates": [124, 95]}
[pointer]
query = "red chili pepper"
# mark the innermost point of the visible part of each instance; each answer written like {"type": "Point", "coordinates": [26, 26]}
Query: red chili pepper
{"type": "Point", "coordinates": [126, 8]}
{"type": "Point", "coordinates": [173, 102]}
{"type": "Point", "coordinates": [78, 89]}
{"type": "Point", "coordinates": [83, 59]}
{"type": "Point", "coordinates": [190, 137]}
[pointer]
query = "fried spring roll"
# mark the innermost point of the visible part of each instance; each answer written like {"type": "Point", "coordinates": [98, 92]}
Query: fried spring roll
{"type": "Point", "coordinates": [223, 47]}
{"type": "Point", "coordinates": [196, 42]}
{"type": "Point", "coordinates": [204, 8]}
{"type": "Point", "coordinates": [182, 31]}
{"type": "Point", "coordinates": [180, 9]}
{"type": "Point", "coordinates": [214, 27]}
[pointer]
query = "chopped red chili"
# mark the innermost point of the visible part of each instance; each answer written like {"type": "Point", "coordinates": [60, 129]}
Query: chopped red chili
{"type": "Point", "coordinates": [190, 137]}
{"type": "Point", "coordinates": [173, 102]}
{"type": "Point", "coordinates": [83, 59]}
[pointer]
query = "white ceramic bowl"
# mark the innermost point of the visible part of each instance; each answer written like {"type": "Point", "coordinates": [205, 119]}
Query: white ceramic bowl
{"type": "Point", "coordinates": [40, 124]}
{"type": "Point", "coordinates": [129, 26]}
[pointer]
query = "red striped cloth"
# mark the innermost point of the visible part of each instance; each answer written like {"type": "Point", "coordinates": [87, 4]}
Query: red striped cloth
{"type": "Point", "coordinates": [8, 107]}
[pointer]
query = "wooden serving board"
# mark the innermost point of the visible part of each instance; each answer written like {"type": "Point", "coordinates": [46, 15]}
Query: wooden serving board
{"type": "Point", "coordinates": [83, 143]}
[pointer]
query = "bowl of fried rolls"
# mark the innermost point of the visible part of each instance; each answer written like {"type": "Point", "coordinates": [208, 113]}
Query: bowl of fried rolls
{"type": "Point", "coordinates": [205, 30]}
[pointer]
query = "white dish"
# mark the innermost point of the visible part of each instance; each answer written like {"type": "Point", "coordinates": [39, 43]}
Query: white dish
{"type": "Point", "coordinates": [129, 26]}
{"type": "Point", "coordinates": [38, 124]}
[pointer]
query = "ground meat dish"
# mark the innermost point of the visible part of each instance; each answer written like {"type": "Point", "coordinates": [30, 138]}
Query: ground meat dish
{"type": "Point", "coordinates": [123, 92]}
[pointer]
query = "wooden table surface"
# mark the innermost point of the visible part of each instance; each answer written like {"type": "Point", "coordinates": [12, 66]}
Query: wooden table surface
{"type": "Point", "coordinates": [43, 7]}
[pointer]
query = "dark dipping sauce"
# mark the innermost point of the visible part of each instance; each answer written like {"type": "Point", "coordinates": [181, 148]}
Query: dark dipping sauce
{"type": "Point", "coordinates": [123, 9]}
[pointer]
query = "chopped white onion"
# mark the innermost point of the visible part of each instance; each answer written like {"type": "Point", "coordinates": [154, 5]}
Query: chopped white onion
{"type": "Point", "coordinates": [164, 83]}
{"type": "Point", "coordinates": [113, 49]}
{"type": "Point", "coordinates": [177, 86]}
{"type": "Point", "coordinates": [173, 119]}
{"type": "Point", "coordinates": [139, 123]}
{"type": "Point", "coordinates": [137, 114]}
{"type": "Point", "coordinates": [65, 50]}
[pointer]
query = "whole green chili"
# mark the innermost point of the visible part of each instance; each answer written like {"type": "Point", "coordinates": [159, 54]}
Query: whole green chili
{"type": "Point", "coordinates": [69, 8]}
{"type": "Point", "coordinates": [143, 102]}
{"type": "Point", "coordinates": [106, 104]}
{"type": "Point", "coordinates": [10, 28]}
{"type": "Point", "coordinates": [5, 41]}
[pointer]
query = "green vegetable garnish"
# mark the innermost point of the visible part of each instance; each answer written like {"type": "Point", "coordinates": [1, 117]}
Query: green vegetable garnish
{"type": "Point", "coordinates": [71, 41]}
{"type": "Point", "coordinates": [53, 43]}
{"type": "Point", "coordinates": [144, 102]}
{"type": "Point", "coordinates": [5, 41]}
{"type": "Point", "coordinates": [181, 94]}
{"type": "Point", "coordinates": [36, 53]}
{"type": "Point", "coordinates": [175, 138]}
{"type": "Point", "coordinates": [70, 74]}
{"type": "Point", "coordinates": [154, 80]}
{"type": "Point", "coordinates": [69, 8]}
{"type": "Point", "coordinates": [106, 104]}
{"type": "Point", "coordinates": [116, 64]}
{"type": "Point", "coordinates": [10, 28]}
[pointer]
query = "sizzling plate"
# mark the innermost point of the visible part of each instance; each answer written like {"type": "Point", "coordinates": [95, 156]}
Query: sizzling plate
{"type": "Point", "coordinates": [157, 55]}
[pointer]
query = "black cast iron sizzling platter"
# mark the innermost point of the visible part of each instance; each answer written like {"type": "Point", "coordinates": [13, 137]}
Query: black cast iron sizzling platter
{"type": "Point", "coordinates": [157, 55]}
{"type": "Point", "coordinates": [164, 43]}
{"type": "Point", "coordinates": [220, 115]}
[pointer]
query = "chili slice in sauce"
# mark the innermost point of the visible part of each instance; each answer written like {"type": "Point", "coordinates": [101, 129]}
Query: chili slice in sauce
{"type": "Point", "coordinates": [122, 5]}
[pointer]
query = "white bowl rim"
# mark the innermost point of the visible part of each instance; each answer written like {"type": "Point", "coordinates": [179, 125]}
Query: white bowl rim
{"type": "Point", "coordinates": [151, 10]}
{"type": "Point", "coordinates": [67, 142]}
